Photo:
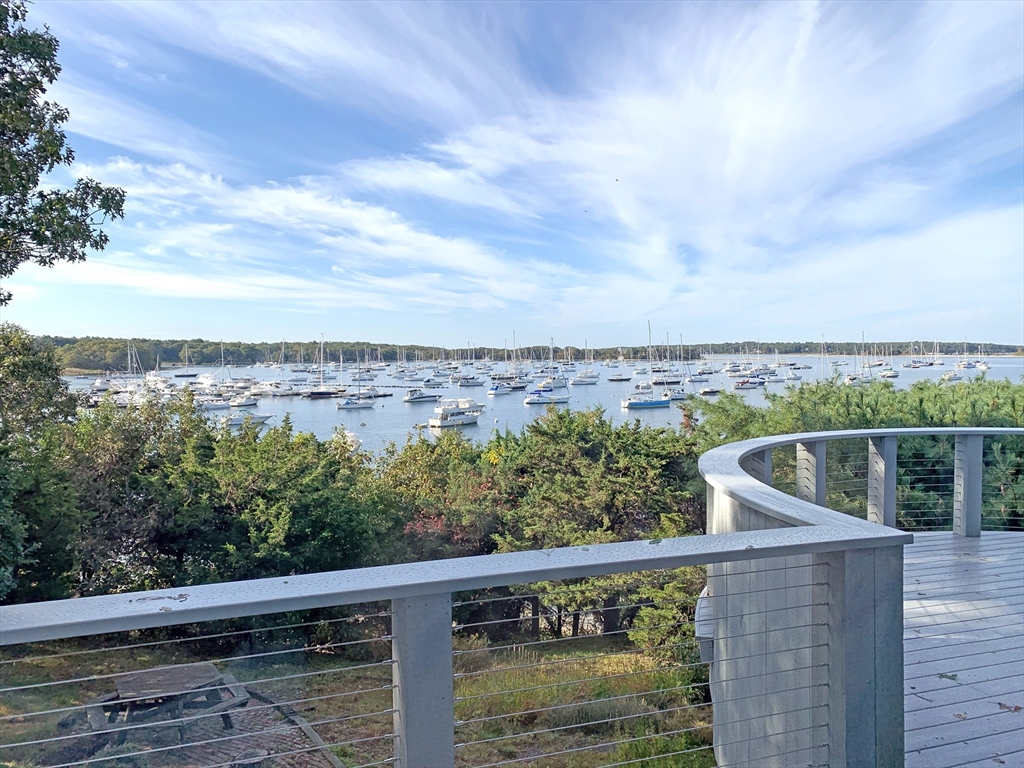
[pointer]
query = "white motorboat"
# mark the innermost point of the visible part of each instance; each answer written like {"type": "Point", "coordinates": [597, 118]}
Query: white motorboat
{"type": "Point", "coordinates": [218, 404]}
{"type": "Point", "coordinates": [710, 391]}
{"type": "Point", "coordinates": [500, 388]}
{"type": "Point", "coordinates": [698, 378]}
{"type": "Point", "coordinates": [238, 419]}
{"type": "Point", "coordinates": [456, 413]}
{"type": "Point", "coordinates": [244, 401]}
{"type": "Point", "coordinates": [541, 397]}
{"type": "Point", "coordinates": [274, 389]}
{"type": "Point", "coordinates": [419, 396]}
{"type": "Point", "coordinates": [674, 393]}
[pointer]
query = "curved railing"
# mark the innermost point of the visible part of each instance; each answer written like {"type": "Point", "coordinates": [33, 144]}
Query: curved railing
{"type": "Point", "coordinates": [854, 622]}
{"type": "Point", "coordinates": [803, 616]}
{"type": "Point", "coordinates": [743, 472]}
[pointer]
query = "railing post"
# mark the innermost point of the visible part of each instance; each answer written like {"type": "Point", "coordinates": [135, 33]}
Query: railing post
{"type": "Point", "coordinates": [882, 480]}
{"type": "Point", "coordinates": [865, 656]}
{"type": "Point", "coordinates": [421, 630]}
{"type": "Point", "coordinates": [810, 472]}
{"type": "Point", "coordinates": [967, 471]}
{"type": "Point", "coordinates": [759, 465]}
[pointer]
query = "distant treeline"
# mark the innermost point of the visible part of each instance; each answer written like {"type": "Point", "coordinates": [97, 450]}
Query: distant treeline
{"type": "Point", "coordinates": [95, 353]}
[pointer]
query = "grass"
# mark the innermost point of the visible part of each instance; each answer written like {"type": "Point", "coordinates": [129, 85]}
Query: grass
{"type": "Point", "coordinates": [592, 700]}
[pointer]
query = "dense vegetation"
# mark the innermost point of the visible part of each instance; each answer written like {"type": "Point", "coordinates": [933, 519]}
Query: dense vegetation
{"type": "Point", "coordinates": [105, 354]}
{"type": "Point", "coordinates": [159, 495]}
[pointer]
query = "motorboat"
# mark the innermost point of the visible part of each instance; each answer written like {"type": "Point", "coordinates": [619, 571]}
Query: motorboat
{"type": "Point", "coordinates": [215, 404]}
{"type": "Point", "coordinates": [244, 401]}
{"type": "Point", "coordinates": [584, 378]}
{"type": "Point", "coordinates": [674, 393]}
{"type": "Point", "coordinates": [710, 391]}
{"type": "Point", "coordinates": [456, 413]}
{"type": "Point", "coordinates": [419, 396]}
{"type": "Point", "coordinates": [238, 419]}
{"type": "Point", "coordinates": [542, 397]}
{"type": "Point", "coordinates": [500, 388]}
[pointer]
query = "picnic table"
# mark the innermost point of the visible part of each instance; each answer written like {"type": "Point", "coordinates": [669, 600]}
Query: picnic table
{"type": "Point", "coordinates": [168, 693]}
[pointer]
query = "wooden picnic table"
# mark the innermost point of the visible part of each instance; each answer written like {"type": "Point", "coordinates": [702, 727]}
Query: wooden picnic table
{"type": "Point", "coordinates": [169, 692]}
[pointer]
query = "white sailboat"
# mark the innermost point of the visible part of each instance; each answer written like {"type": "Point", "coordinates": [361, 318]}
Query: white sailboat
{"type": "Point", "coordinates": [544, 394]}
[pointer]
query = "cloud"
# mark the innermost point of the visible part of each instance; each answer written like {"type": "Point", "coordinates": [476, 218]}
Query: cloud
{"type": "Point", "coordinates": [686, 162]}
{"type": "Point", "coordinates": [424, 177]}
{"type": "Point", "coordinates": [121, 122]}
{"type": "Point", "coordinates": [203, 223]}
{"type": "Point", "coordinates": [425, 61]}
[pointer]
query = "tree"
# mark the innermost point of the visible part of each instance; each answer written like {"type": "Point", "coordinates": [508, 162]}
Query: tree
{"type": "Point", "coordinates": [43, 226]}
{"type": "Point", "coordinates": [37, 520]}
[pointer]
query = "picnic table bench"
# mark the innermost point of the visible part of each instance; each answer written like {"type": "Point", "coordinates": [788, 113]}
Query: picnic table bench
{"type": "Point", "coordinates": [150, 695]}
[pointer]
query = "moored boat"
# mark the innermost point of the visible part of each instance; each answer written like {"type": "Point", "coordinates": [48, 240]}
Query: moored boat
{"type": "Point", "coordinates": [456, 413]}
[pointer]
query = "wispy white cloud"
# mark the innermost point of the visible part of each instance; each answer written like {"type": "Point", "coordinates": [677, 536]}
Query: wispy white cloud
{"type": "Point", "coordinates": [118, 120]}
{"type": "Point", "coordinates": [685, 162]}
{"type": "Point", "coordinates": [426, 61]}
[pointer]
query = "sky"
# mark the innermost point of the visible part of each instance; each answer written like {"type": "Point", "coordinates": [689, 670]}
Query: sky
{"type": "Point", "coordinates": [446, 174]}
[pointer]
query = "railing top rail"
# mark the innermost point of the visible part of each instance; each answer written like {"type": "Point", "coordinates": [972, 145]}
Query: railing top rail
{"type": "Point", "coordinates": [721, 468]}
{"type": "Point", "coordinates": [166, 607]}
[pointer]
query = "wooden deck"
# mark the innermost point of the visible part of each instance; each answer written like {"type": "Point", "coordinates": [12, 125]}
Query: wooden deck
{"type": "Point", "coordinates": [963, 603]}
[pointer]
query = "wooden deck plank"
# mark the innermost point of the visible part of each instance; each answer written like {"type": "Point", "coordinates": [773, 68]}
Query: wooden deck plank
{"type": "Point", "coordinates": [964, 650]}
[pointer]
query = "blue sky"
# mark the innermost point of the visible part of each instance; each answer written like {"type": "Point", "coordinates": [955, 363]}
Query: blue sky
{"type": "Point", "coordinates": [448, 173]}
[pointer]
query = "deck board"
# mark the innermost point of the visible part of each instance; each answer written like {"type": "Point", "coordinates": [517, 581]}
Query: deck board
{"type": "Point", "coordinates": [964, 650]}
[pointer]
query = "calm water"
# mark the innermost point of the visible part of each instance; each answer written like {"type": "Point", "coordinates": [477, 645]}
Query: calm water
{"type": "Point", "coordinates": [393, 420]}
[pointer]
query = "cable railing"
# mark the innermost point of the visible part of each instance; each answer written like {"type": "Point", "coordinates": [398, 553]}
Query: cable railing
{"type": "Point", "coordinates": [599, 655]}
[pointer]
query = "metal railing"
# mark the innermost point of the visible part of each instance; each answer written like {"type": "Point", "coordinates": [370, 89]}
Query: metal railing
{"type": "Point", "coordinates": [580, 656]}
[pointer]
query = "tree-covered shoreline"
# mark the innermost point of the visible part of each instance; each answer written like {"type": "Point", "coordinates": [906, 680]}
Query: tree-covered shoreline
{"type": "Point", "coordinates": [111, 354]}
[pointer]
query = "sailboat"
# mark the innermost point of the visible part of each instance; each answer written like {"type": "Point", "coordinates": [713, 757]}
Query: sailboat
{"type": "Point", "coordinates": [358, 402]}
{"type": "Point", "coordinates": [546, 395]}
{"type": "Point", "coordinates": [588, 376]}
{"type": "Point", "coordinates": [647, 399]}
{"type": "Point", "coordinates": [186, 374]}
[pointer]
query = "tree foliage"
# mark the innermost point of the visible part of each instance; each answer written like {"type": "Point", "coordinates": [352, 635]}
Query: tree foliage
{"type": "Point", "coordinates": [159, 495]}
{"type": "Point", "coordinates": [40, 223]}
